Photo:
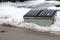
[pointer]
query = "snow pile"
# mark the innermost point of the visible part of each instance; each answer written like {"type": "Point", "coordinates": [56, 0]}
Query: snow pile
{"type": "Point", "coordinates": [54, 8]}
{"type": "Point", "coordinates": [14, 17]}
{"type": "Point", "coordinates": [7, 4]}
{"type": "Point", "coordinates": [26, 3]}
{"type": "Point", "coordinates": [53, 2]}
{"type": "Point", "coordinates": [55, 28]}
{"type": "Point", "coordinates": [29, 3]}
{"type": "Point", "coordinates": [33, 26]}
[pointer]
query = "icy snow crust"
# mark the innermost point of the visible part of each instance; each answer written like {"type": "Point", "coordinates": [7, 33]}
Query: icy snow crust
{"type": "Point", "coordinates": [13, 16]}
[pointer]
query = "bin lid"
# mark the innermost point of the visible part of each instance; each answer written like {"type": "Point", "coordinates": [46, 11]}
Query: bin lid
{"type": "Point", "coordinates": [41, 13]}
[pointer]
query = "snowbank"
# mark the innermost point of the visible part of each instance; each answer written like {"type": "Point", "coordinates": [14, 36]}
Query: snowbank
{"type": "Point", "coordinates": [54, 8]}
{"type": "Point", "coordinates": [14, 17]}
{"type": "Point", "coordinates": [55, 28]}
{"type": "Point", "coordinates": [9, 15]}
{"type": "Point", "coordinates": [26, 3]}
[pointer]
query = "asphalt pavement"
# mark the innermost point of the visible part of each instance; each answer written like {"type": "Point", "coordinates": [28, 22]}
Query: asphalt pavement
{"type": "Point", "coordinates": [13, 33]}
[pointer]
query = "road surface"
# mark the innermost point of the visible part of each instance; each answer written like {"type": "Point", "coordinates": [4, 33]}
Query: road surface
{"type": "Point", "coordinates": [11, 33]}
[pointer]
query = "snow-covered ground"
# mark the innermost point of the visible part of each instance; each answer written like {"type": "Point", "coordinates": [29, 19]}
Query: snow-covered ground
{"type": "Point", "coordinates": [30, 3]}
{"type": "Point", "coordinates": [9, 14]}
{"type": "Point", "coordinates": [14, 16]}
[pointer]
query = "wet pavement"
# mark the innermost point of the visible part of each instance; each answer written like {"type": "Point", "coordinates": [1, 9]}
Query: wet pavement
{"type": "Point", "coordinates": [12, 33]}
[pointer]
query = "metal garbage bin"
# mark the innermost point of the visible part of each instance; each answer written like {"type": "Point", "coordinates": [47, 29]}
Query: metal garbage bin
{"type": "Point", "coordinates": [42, 17]}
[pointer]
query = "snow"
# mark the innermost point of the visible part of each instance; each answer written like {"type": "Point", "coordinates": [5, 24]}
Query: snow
{"type": "Point", "coordinates": [54, 8]}
{"type": "Point", "coordinates": [10, 14]}
{"type": "Point", "coordinates": [14, 16]}
{"type": "Point", "coordinates": [26, 3]}
{"type": "Point", "coordinates": [55, 28]}
{"type": "Point", "coordinates": [53, 2]}
{"type": "Point", "coordinates": [36, 2]}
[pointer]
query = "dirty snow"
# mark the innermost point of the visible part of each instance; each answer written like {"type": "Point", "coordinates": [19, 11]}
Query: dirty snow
{"type": "Point", "coordinates": [10, 14]}
{"type": "Point", "coordinates": [14, 17]}
{"type": "Point", "coordinates": [26, 3]}
{"type": "Point", "coordinates": [54, 8]}
{"type": "Point", "coordinates": [29, 3]}
{"type": "Point", "coordinates": [55, 28]}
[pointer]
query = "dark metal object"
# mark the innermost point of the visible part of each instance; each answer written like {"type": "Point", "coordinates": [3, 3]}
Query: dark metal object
{"type": "Point", "coordinates": [43, 17]}
{"type": "Point", "coordinates": [57, 5]}
{"type": "Point", "coordinates": [33, 13]}
{"type": "Point", "coordinates": [40, 13]}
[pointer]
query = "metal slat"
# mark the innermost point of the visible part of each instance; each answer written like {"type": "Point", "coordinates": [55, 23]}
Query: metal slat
{"type": "Point", "coordinates": [32, 13]}
{"type": "Point", "coordinates": [47, 13]}
{"type": "Point", "coordinates": [38, 11]}
{"type": "Point", "coordinates": [28, 13]}
{"type": "Point", "coordinates": [40, 15]}
{"type": "Point", "coordinates": [35, 13]}
{"type": "Point", "coordinates": [43, 15]}
{"type": "Point", "coordinates": [52, 13]}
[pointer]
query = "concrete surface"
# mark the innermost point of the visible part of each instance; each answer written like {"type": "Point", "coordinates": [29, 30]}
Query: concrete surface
{"type": "Point", "coordinates": [19, 34]}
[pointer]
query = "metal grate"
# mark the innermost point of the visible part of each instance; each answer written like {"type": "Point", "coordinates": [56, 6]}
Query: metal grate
{"type": "Point", "coordinates": [40, 13]}
{"type": "Point", "coordinates": [33, 13]}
